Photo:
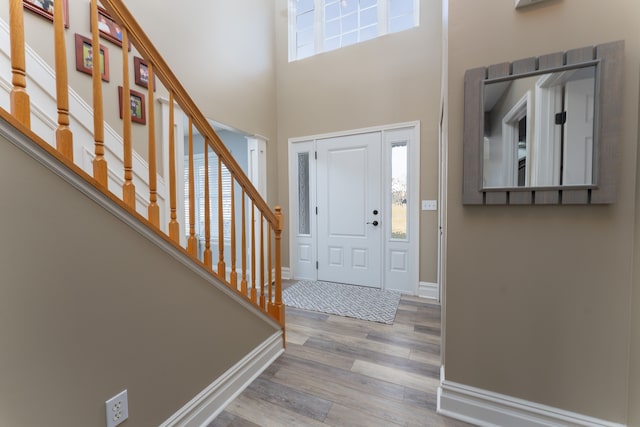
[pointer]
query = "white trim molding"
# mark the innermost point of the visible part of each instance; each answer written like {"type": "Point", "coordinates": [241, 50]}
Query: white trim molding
{"type": "Point", "coordinates": [429, 291]}
{"type": "Point", "coordinates": [285, 272]}
{"type": "Point", "coordinates": [488, 409]}
{"type": "Point", "coordinates": [208, 404]}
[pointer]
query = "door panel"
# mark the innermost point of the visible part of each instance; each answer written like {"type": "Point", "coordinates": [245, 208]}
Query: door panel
{"type": "Point", "coordinates": [578, 141]}
{"type": "Point", "coordinates": [349, 190]}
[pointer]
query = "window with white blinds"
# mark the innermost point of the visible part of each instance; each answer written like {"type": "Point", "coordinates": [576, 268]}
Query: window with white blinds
{"type": "Point", "coordinates": [198, 167]}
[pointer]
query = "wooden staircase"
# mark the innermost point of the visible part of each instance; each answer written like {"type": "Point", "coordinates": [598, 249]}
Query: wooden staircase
{"type": "Point", "coordinates": [255, 231]}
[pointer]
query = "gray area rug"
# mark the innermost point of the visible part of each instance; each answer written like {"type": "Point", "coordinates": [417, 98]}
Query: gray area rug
{"type": "Point", "coordinates": [344, 300]}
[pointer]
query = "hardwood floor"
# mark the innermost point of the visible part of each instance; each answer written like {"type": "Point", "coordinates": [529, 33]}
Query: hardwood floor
{"type": "Point", "coordinates": [339, 371]}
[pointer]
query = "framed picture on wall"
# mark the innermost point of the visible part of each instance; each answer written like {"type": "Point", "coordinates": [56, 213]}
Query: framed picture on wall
{"type": "Point", "coordinates": [84, 57]}
{"type": "Point", "coordinates": [44, 8]}
{"type": "Point", "coordinates": [109, 29]}
{"type": "Point", "coordinates": [141, 73]}
{"type": "Point", "coordinates": [136, 101]}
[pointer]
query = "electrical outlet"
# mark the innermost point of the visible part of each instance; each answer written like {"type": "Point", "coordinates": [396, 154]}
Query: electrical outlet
{"type": "Point", "coordinates": [117, 409]}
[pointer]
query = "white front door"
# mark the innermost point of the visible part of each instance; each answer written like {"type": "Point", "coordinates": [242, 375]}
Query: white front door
{"type": "Point", "coordinates": [349, 209]}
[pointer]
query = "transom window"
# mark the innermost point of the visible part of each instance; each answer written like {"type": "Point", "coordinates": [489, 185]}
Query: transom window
{"type": "Point", "coordinates": [323, 25]}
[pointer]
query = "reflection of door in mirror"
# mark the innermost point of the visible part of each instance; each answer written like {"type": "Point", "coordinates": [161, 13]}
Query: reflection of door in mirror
{"type": "Point", "coordinates": [564, 143]}
{"type": "Point", "coordinates": [507, 133]}
{"type": "Point", "coordinates": [578, 129]}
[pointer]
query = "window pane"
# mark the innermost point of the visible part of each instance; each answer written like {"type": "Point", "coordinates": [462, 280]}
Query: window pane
{"type": "Point", "coordinates": [304, 21]}
{"type": "Point", "coordinates": [368, 33]}
{"type": "Point", "coordinates": [367, 3]}
{"type": "Point", "coordinates": [348, 6]}
{"type": "Point", "coordinates": [304, 223]}
{"type": "Point", "coordinates": [400, 7]}
{"type": "Point", "coordinates": [331, 44]}
{"type": "Point", "coordinates": [305, 51]}
{"type": "Point", "coordinates": [303, 6]}
{"type": "Point", "coordinates": [349, 38]}
{"type": "Point", "coordinates": [349, 23]}
{"type": "Point", "coordinates": [332, 11]}
{"type": "Point", "coordinates": [399, 24]}
{"type": "Point", "coordinates": [332, 29]}
{"type": "Point", "coordinates": [369, 17]}
{"type": "Point", "coordinates": [305, 38]}
{"type": "Point", "coordinates": [399, 190]}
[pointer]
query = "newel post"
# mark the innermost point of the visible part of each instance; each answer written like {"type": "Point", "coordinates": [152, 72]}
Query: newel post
{"type": "Point", "coordinates": [277, 310]}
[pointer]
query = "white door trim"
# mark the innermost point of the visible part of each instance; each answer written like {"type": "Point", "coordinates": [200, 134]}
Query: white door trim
{"type": "Point", "coordinates": [413, 193]}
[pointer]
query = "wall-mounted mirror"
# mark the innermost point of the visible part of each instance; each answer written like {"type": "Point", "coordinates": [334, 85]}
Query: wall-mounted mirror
{"type": "Point", "coordinates": [544, 130]}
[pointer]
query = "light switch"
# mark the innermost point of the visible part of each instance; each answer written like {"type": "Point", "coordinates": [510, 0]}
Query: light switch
{"type": "Point", "coordinates": [429, 205]}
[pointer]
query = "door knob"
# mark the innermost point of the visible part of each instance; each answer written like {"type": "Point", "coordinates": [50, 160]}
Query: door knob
{"type": "Point", "coordinates": [374, 223]}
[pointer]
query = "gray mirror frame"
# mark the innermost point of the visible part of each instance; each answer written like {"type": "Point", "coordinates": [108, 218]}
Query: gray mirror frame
{"type": "Point", "coordinates": [609, 58]}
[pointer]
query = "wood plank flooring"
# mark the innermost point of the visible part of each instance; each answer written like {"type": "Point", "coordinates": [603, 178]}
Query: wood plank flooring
{"type": "Point", "coordinates": [339, 371]}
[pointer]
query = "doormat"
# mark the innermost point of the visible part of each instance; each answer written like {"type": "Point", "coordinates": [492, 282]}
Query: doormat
{"type": "Point", "coordinates": [358, 302]}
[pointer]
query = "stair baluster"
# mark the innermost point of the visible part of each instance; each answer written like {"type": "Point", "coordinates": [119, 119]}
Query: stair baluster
{"type": "Point", "coordinates": [233, 275]}
{"type": "Point", "coordinates": [254, 293]}
{"type": "Point", "coordinates": [99, 162]}
{"type": "Point", "coordinates": [153, 209]}
{"type": "Point", "coordinates": [221, 265]}
{"type": "Point", "coordinates": [207, 209]}
{"type": "Point", "coordinates": [20, 103]}
{"type": "Point", "coordinates": [128, 188]}
{"type": "Point", "coordinates": [262, 298]}
{"type": "Point", "coordinates": [191, 242]}
{"type": "Point", "coordinates": [243, 282]}
{"type": "Point", "coordinates": [64, 137]}
{"type": "Point", "coordinates": [174, 227]}
{"type": "Point", "coordinates": [269, 271]}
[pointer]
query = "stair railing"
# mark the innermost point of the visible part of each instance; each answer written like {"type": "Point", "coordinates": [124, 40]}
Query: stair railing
{"type": "Point", "coordinates": [264, 291]}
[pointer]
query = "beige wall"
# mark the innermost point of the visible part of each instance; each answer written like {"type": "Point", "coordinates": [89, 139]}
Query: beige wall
{"type": "Point", "coordinates": [89, 307]}
{"type": "Point", "coordinates": [391, 79]}
{"type": "Point", "coordinates": [537, 297]}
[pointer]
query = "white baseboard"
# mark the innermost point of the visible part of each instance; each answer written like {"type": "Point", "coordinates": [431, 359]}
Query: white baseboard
{"type": "Point", "coordinates": [203, 408]}
{"type": "Point", "coordinates": [429, 291]}
{"type": "Point", "coordinates": [488, 409]}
